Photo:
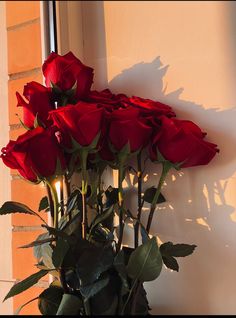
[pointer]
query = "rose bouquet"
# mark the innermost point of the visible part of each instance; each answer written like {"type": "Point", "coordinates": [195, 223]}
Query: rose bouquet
{"type": "Point", "coordinates": [73, 130]}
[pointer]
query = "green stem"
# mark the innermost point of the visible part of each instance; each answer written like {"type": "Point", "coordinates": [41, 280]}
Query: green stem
{"type": "Point", "coordinates": [62, 195]}
{"type": "Point", "coordinates": [100, 192]}
{"type": "Point", "coordinates": [139, 173]}
{"type": "Point", "coordinates": [87, 307]}
{"type": "Point", "coordinates": [165, 169]}
{"type": "Point", "coordinates": [84, 155]}
{"type": "Point", "coordinates": [50, 200]}
{"type": "Point", "coordinates": [55, 204]}
{"type": "Point", "coordinates": [120, 204]}
{"type": "Point", "coordinates": [68, 191]}
{"type": "Point", "coordinates": [84, 216]}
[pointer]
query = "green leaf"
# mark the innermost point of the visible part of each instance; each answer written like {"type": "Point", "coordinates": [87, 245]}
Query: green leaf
{"type": "Point", "coordinates": [22, 123]}
{"type": "Point", "coordinates": [170, 262]}
{"type": "Point", "coordinates": [16, 207]}
{"type": "Point", "coordinates": [105, 301]}
{"type": "Point", "coordinates": [59, 252]}
{"type": "Point", "coordinates": [37, 247]}
{"type": "Point", "coordinates": [92, 289]}
{"type": "Point", "coordinates": [46, 251]}
{"type": "Point", "coordinates": [43, 251]}
{"type": "Point", "coordinates": [92, 263]}
{"type": "Point", "coordinates": [145, 262]}
{"type": "Point", "coordinates": [142, 303]}
{"type": "Point", "coordinates": [119, 264]}
{"type": "Point", "coordinates": [17, 311]}
{"type": "Point", "coordinates": [44, 204]}
{"type": "Point", "coordinates": [70, 305]}
{"type": "Point", "coordinates": [100, 218]}
{"type": "Point", "coordinates": [111, 196]}
{"type": "Point", "coordinates": [49, 300]}
{"type": "Point", "coordinates": [149, 195]}
{"type": "Point", "coordinates": [58, 233]}
{"type": "Point", "coordinates": [55, 89]}
{"type": "Point", "coordinates": [102, 234]}
{"type": "Point", "coordinates": [25, 284]}
{"type": "Point", "coordinates": [176, 250]}
{"type": "Point", "coordinates": [112, 307]}
{"type": "Point", "coordinates": [74, 201]}
{"type": "Point", "coordinates": [39, 242]}
{"type": "Point", "coordinates": [36, 123]}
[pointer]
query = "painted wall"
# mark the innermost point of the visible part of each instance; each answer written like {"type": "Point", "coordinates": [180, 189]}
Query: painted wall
{"type": "Point", "coordinates": [182, 53]}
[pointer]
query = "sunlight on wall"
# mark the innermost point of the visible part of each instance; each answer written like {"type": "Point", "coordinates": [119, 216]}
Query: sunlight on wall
{"type": "Point", "coordinates": [181, 53]}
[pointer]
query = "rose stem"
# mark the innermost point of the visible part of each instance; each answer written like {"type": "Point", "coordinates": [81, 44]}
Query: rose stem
{"type": "Point", "coordinates": [139, 173]}
{"type": "Point", "coordinates": [68, 192]}
{"type": "Point", "coordinates": [165, 168]}
{"type": "Point", "coordinates": [55, 205]}
{"type": "Point", "coordinates": [84, 155]}
{"type": "Point", "coordinates": [50, 201]}
{"type": "Point", "coordinates": [100, 191]}
{"type": "Point", "coordinates": [62, 196]}
{"type": "Point", "coordinates": [120, 204]}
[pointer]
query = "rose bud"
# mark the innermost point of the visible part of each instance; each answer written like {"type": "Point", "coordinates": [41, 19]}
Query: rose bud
{"type": "Point", "coordinates": [83, 122]}
{"type": "Point", "coordinates": [181, 141]}
{"type": "Point", "coordinates": [35, 154]}
{"type": "Point", "coordinates": [128, 127]}
{"type": "Point", "coordinates": [39, 103]}
{"type": "Point", "coordinates": [65, 71]}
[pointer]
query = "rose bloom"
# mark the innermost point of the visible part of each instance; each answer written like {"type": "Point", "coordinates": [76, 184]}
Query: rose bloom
{"type": "Point", "coordinates": [65, 70]}
{"type": "Point", "coordinates": [182, 141]}
{"type": "Point", "coordinates": [127, 126]}
{"type": "Point", "coordinates": [151, 108]}
{"type": "Point", "coordinates": [39, 103]}
{"type": "Point", "coordinates": [82, 122]}
{"type": "Point", "coordinates": [35, 153]}
{"type": "Point", "coordinates": [108, 100]}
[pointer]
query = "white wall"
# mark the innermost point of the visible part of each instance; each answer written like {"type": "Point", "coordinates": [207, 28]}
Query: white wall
{"type": "Point", "coordinates": [182, 53]}
{"type": "Point", "coordinates": [5, 221]}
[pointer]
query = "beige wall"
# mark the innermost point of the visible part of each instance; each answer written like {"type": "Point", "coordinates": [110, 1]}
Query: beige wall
{"type": "Point", "coordinates": [181, 53]}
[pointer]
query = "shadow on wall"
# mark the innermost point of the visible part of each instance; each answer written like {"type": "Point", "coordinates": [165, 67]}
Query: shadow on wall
{"type": "Point", "coordinates": [196, 211]}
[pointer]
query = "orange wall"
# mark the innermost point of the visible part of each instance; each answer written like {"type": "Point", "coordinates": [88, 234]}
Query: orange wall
{"type": "Point", "coordinates": [24, 65]}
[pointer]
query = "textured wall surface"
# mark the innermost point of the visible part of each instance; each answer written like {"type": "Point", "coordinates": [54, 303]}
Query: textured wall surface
{"type": "Point", "coordinates": [24, 50]}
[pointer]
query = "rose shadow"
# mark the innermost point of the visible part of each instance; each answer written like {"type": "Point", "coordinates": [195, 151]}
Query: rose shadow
{"type": "Point", "coordinates": [196, 211]}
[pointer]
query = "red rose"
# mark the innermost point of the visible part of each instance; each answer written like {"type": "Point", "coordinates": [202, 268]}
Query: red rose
{"type": "Point", "coordinates": [65, 70]}
{"type": "Point", "coordinates": [150, 107]}
{"type": "Point", "coordinates": [82, 121]}
{"type": "Point", "coordinates": [39, 98]}
{"type": "Point", "coordinates": [127, 126]}
{"type": "Point", "coordinates": [182, 141]}
{"type": "Point", "coordinates": [108, 100]}
{"type": "Point", "coordinates": [35, 153]}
